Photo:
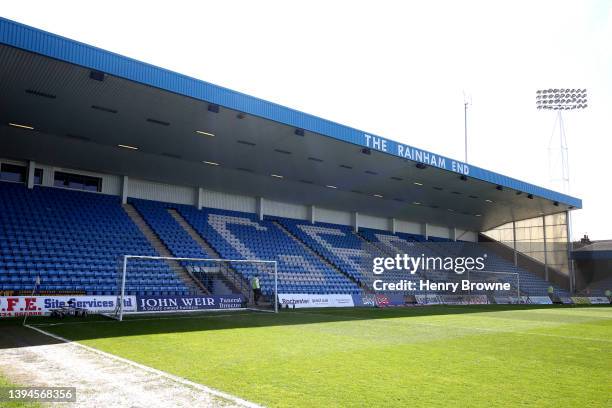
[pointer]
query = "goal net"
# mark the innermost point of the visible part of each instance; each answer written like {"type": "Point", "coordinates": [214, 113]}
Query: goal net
{"type": "Point", "coordinates": [493, 283]}
{"type": "Point", "coordinates": [152, 284]}
{"type": "Point", "coordinates": [473, 287]}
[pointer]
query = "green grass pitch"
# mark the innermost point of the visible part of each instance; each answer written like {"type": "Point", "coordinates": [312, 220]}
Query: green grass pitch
{"type": "Point", "coordinates": [478, 356]}
{"type": "Point", "coordinates": [5, 383]}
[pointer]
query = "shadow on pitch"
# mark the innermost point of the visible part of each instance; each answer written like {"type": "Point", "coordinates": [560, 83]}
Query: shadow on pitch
{"type": "Point", "coordinates": [13, 334]}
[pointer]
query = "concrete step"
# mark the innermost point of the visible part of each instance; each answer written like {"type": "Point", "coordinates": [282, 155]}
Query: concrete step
{"type": "Point", "coordinates": [315, 253]}
{"type": "Point", "coordinates": [376, 247]}
{"type": "Point", "coordinates": [194, 285]}
{"type": "Point", "coordinates": [230, 277]}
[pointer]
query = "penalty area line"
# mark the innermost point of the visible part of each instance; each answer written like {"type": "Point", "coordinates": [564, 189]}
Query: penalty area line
{"type": "Point", "coordinates": [180, 380]}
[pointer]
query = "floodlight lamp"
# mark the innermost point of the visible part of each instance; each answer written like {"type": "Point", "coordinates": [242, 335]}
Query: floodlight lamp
{"type": "Point", "coordinates": [561, 98]}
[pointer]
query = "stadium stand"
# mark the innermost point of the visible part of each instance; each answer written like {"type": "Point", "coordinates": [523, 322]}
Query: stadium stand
{"type": "Point", "coordinates": [353, 252]}
{"type": "Point", "coordinates": [400, 243]}
{"type": "Point", "coordinates": [167, 229]}
{"type": "Point", "coordinates": [74, 241]}
{"type": "Point", "coordinates": [530, 284]}
{"type": "Point", "coordinates": [338, 244]}
{"type": "Point", "coordinates": [598, 288]}
{"type": "Point", "coordinates": [237, 235]}
{"type": "Point", "coordinates": [181, 245]}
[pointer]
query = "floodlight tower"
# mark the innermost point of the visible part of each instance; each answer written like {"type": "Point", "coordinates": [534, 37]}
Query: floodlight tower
{"type": "Point", "coordinates": [467, 100]}
{"type": "Point", "coordinates": [560, 99]}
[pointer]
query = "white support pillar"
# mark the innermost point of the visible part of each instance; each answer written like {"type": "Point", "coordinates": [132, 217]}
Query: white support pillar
{"type": "Point", "coordinates": [424, 230]}
{"type": "Point", "coordinates": [545, 248]}
{"type": "Point", "coordinates": [453, 233]}
{"type": "Point", "coordinates": [355, 220]}
{"type": "Point", "coordinates": [392, 226]}
{"type": "Point", "coordinates": [570, 249]}
{"type": "Point", "coordinates": [260, 208]}
{"type": "Point", "coordinates": [125, 189]}
{"type": "Point", "coordinates": [200, 200]}
{"type": "Point", "coordinates": [312, 214]}
{"type": "Point", "coordinates": [514, 243]}
{"type": "Point", "coordinates": [31, 170]}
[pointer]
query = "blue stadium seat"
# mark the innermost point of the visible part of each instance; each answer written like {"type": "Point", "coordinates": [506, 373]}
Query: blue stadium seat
{"type": "Point", "coordinates": [237, 235]}
{"type": "Point", "coordinates": [73, 240]}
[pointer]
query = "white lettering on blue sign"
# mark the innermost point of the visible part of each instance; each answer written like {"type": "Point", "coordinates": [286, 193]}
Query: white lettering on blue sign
{"type": "Point", "coordinates": [460, 168]}
{"type": "Point", "coordinates": [377, 143]}
{"type": "Point", "coordinates": [417, 155]}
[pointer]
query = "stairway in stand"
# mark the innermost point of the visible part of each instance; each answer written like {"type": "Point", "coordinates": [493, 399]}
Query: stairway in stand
{"type": "Point", "coordinates": [234, 282]}
{"type": "Point", "coordinates": [193, 284]}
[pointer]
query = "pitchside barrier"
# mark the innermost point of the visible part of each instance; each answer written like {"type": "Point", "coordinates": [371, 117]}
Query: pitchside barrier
{"type": "Point", "coordinates": [297, 301]}
{"type": "Point", "coordinates": [42, 305]}
{"type": "Point", "coordinates": [38, 305]}
{"type": "Point", "coordinates": [599, 300]}
{"type": "Point", "coordinates": [590, 300]}
{"type": "Point", "coordinates": [536, 300]}
{"type": "Point", "coordinates": [579, 300]}
{"type": "Point", "coordinates": [305, 300]}
{"type": "Point", "coordinates": [506, 300]}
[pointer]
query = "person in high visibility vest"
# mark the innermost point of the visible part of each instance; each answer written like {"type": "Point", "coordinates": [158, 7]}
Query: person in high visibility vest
{"type": "Point", "coordinates": [551, 290]}
{"type": "Point", "coordinates": [256, 286]}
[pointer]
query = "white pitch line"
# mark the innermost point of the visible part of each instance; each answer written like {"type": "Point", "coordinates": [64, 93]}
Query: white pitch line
{"type": "Point", "coordinates": [180, 380]}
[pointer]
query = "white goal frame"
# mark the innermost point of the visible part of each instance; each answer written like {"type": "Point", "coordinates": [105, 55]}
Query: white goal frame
{"type": "Point", "coordinates": [178, 259]}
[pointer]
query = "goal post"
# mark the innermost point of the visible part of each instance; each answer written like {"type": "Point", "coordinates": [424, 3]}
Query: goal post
{"type": "Point", "coordinates": [158, 284]}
